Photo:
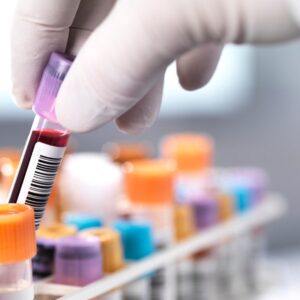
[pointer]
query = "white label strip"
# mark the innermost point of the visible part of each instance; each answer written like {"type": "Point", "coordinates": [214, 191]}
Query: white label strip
{"type": "Point", "coordinates": [39, 178]}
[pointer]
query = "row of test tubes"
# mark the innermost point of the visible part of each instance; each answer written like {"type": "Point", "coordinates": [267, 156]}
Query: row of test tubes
{"type": "Point", "coordinates": [165, 201]}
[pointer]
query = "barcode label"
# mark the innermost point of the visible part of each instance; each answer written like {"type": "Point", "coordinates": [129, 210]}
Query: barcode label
{"type": "Point", "coordinates": [44, 163]}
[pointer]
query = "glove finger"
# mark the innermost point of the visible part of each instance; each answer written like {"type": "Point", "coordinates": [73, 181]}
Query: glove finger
{"type": "Point", "coordinates": [120, 62]}
{"type": "Point", "coordinates": [89, 15]}
{"type": "Point", "coordinates": [111, 73]}
{"type": "Point", "coordinates": [142, 115]}
{"type": "Point", "coordinates": [196, 67]}
{"type": "Point", "coordinates": [39, 28]}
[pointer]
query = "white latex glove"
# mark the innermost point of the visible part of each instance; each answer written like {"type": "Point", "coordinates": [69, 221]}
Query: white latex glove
{"type": "Point", "coordinates": [119, 70]}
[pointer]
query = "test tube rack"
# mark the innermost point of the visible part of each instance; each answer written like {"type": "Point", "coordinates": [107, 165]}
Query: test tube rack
{"type": "Point", "coordinates": [273, 207]}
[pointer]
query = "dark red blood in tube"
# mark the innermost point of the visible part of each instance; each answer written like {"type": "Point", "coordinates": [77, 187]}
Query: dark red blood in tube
{"type": "Point", "coordinates": [52, 137]}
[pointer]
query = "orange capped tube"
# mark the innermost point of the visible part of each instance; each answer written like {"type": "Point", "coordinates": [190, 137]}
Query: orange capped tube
{"type": "Point", "coordinates": [150, 182]}
{"type": "Point", "coordinates": [17, 236]}
{"type": "Point", "coordinates": [193, 155]}
{"type": "Point", "coordinates": [149, 185]}
{"type": "Point", "coordinates": [192, 152]}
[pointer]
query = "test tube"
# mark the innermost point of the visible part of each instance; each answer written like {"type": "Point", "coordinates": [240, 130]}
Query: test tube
{"type": "Point", "coordinates": [185, 228]}
{"type": "Point", "coordinates": [17, 236]}
{"type": "Point", "coordinates": [205, 261]}
{"type": "Point", "coordinates": [225, 251]}
{"type": "Point", "coordinates": [243, 202]}
{"type": "Point", "coordinates": [121, 153]}
{"type": "Point", "coordinates": [138, 243]}
{"type": "Point", "coordinates": [149, 187]}
{"type": "Point", "coordinates": [82, 221]}
{"type": "Point", "coordinates": [193, 156]}
{"type": "Point", "coordinates": [46, 143]}
{"type": "Point", "coordinates": [47, 238]}
{"type": "Point", "coordinates": [112, 255]}
{"type": "Point", "coordinates": [78, 261]}
{"type": "Point", "coordinates": [256, 181]}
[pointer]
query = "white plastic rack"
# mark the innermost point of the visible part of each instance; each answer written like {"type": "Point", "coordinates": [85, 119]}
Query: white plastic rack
{"type": "Point", "coordinates": [271, 208]}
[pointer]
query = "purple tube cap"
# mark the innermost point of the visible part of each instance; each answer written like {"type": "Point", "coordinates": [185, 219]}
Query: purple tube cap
{"type": "Point", "coordinates": [205, 211]}
{"type": "Point", "coordinates": [78, 261]}
{"type": "Point", "coordinates": [51, 80]}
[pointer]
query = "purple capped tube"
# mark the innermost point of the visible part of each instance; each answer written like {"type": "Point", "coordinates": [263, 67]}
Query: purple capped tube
{"type": "Point", "coordinates": [78, 261]}
{"type": "Point", "coordinates": [205, 211]}
{"type": "Point", "coordinates": [46, 143]}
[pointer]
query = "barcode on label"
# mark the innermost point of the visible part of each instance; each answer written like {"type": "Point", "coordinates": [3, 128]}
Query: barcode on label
{"type": "Point", "coordinates": [40, 175]}
{"type": "Point", "coordinates": [41, 185]}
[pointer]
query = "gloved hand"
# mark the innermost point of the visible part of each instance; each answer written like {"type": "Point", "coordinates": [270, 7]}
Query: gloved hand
{"type": "Point", "coordinates": [119, 70]}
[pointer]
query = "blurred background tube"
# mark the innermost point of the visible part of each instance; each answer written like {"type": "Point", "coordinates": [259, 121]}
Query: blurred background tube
{"type": "Point", "coordinates": [138, 243]}
{"type": "Point", "coordinates": [149, 187]}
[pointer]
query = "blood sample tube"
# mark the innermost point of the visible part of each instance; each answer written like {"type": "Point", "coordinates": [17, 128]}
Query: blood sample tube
{"type": "Point", "coordinates": [112, 255]}
{"type": "Point", "coordinates": [254, 181]}
{"type": "Point", "coordinates": [193, 156]}
{"type": "Point", "coordinates": [17, 247]}
{"type": "Point", "coordinates": [149, 188]}
{"type": "Point", "coordinates": [47, 238]}
{"type": "Point", "coordinates": [185, 228]}
{"type": "Point", "coordinates": [258, 182]}
{"type": "Point", "coordinates": [205, 262]}
{"type": "Point", "coordinates": [226, 251]}
{"type": "Point", "coordinates": [138, 243]}
{"type": "Point", "coordinates": [78, 261]}
{"type": "Point", "coordinates": [241, 245]}
{"type": "Point", "coordinates": [46, 143]}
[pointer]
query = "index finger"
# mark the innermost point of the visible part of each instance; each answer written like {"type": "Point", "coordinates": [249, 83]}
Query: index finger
{"type": "Point", "coordinates": [39, 28]}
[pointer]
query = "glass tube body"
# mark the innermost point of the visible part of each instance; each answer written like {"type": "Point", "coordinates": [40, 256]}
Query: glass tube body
{"type": "Point", "coordinates": [16, 281]}
{"type": "Point", "coordinates": [163, 282]}
{"type": "Point", "coordinates": [39, 164]}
